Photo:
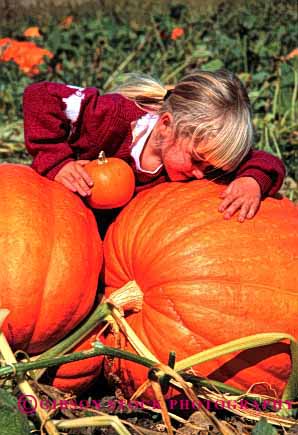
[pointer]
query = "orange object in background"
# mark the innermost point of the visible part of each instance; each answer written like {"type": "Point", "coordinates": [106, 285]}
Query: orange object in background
{"type": "Point", "coordinates": [293, 53]}
{"type": "Point", "coordinates": [67, 22]}
{"type": "Point", "coordinates": [177, 32]}
{"type": "Point", "coordinates": [32, 32]}
{"type": "Point", "coordinates": [27, 55]}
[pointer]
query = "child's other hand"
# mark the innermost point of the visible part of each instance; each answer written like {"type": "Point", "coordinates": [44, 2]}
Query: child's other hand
{"type": "Point", "coordinates": [75, 177]}
{"type": "Point", "coordinates": [243, 194]}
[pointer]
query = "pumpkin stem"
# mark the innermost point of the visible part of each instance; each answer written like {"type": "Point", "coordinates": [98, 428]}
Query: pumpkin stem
{"type": "Point", "coordinates": [102, 158]}
{"type": "Point", "coordinates": [132, 337]}
{"type": "Point", "coordinates": [96, 349]}
{"type": "Point", "coordinates": [127, 298]}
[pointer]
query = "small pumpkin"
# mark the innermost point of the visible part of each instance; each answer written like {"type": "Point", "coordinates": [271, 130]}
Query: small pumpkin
{"type": "Point", "coordinates": [206, 281]}
{"type": "Point", "coordinates": [51, 256]}
{"type": "Point", "coordinates": [114, 182]}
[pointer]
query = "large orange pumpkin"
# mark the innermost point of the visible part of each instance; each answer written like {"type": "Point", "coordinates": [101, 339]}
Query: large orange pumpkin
{"type": "Point", "coordinates": [51, 256]}
{"type": "Point", "coordinates": [207, 280]}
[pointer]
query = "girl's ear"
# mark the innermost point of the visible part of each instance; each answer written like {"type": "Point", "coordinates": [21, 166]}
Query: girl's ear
{"type": "Point", "coordinates": [165, 124]}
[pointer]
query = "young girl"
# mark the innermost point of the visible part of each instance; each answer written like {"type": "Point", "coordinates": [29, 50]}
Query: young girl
{"type": "Point", "coordinates": [200, 126]}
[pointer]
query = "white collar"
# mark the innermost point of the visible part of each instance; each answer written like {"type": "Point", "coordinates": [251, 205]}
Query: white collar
{"type": "Point", "coordinates": [141, 129]}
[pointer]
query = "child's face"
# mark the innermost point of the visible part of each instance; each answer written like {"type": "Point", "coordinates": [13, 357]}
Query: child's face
{"type": "Point", "coordinates": [177, 154]}
{"type": "Point", "coordinates": [180, 163]}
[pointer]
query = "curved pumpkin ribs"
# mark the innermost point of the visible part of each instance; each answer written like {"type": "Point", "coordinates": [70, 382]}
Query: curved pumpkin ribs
{"type": "Point", "coordinates": [51, 254]}
{"type": "Point", "coordinates": [207, 282]}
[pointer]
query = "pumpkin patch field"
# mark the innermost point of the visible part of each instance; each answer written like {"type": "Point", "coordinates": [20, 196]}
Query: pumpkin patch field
{"type": "Point", "coordinates": [179, 280]}
{"type": "Point", "coordinates": [173, 319]}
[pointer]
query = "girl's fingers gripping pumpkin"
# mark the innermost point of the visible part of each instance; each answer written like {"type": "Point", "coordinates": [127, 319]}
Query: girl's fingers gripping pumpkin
{"type": "Point", "coordinates": [244, 193]}
{"type": "Point", "coordinates": [82, 180]}
{"type": "Point", "coordinates": [81, 187]}
{"type": "Point", "coordinates": [235, 205]}
{"type": "Point", "coordinates": [75, 177]}
{"type": "Point", "coordinates": [83, 173]}
{"type": "Point", "coordinates": [67, 183]}
{"type": "Point", "coordinates": [244, 211]}
{"type": "Point", "coordinates": [253, 209]}
{"type": "Point", "coordinates": [73, 184]}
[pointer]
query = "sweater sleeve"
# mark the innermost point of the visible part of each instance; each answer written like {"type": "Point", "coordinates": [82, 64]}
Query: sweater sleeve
{"type": "Point", "coordinates": [64, 122]}
{"type": "Point", "coordinates": [46, 129]}
{"type": "Point", "coordinates": [268, 170]}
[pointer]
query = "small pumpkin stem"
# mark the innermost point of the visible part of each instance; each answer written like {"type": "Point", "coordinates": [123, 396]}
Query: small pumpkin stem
{"type": "Point", "coordinates": [127, 298]}
{"type": "Point", "coordinates": [102, 158]}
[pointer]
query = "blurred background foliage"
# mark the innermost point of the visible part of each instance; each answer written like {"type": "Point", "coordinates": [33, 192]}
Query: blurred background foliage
{"type": "Point", "coordinates": [95, 42]}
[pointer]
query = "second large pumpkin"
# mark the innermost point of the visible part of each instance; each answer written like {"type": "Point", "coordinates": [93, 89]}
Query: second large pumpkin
{"type": "Point", "coordinates": [206, 280]}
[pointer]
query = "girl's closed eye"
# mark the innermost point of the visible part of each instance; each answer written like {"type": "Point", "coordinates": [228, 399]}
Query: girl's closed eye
{"type": "Point", "coordinates": [202, 164]}
{"type": "Point", "coordinates": [203, 169]}
{"type": "Point", "coordinates": [209, 169]}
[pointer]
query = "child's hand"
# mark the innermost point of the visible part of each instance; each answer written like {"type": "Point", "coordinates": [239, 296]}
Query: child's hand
{"type": "Point", "coordinates": [75, 178]}
{"type": "Point", "coordinates": [242, 194]}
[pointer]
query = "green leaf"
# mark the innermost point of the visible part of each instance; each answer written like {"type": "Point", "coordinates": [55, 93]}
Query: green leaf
{"type": "Point", "coordinates": [201, 51]}
{"type": "Point", "coordinates": [260, 76]}
{"type": "Point", "coordinates": [12, 421]}
{"type": "Point", "coordinates": [249, 21]}
{"type": "Point", "coordinates": [213, 65]}
{"type": "Point", "coordinates": [263, 428]}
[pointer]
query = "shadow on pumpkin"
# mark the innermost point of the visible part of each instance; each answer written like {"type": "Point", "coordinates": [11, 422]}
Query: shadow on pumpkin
{"type": "Point", "coordinates": [249, 358]}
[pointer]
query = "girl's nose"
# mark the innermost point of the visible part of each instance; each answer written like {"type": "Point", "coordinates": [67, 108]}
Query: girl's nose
{"type": "Point", "coordinates": [197, 173]}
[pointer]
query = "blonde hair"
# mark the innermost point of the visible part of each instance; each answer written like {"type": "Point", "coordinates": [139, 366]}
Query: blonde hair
{"type": "Point", "coordinates": [212, 108]}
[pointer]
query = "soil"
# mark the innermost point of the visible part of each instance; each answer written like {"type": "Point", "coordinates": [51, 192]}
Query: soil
{"type": "Point", "coordinates": [139, 420]}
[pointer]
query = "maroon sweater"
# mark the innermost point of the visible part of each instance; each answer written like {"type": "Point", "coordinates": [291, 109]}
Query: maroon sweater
{"type": "Point", "coordinates": [64, 123]}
